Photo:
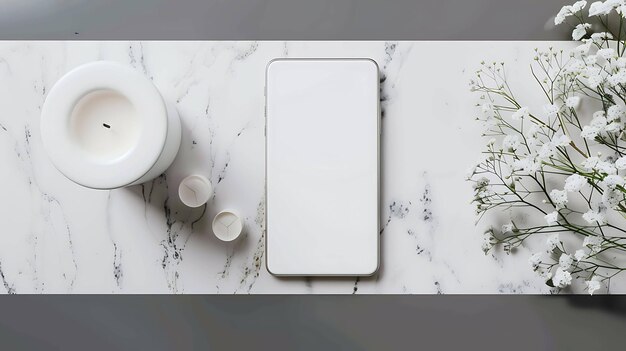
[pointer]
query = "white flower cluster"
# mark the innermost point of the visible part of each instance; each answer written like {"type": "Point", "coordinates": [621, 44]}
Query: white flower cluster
{"type": "Point", "coordinates": [539, 151]}
{"type": "Point", "coordinates": [553, 242]}
{"type": "Point", "coordinates": [562, 276]}
{"type": "Point", "coordinates": [521, 113]}
{"type": "Point", "coordinates": [604, 8]}
{"type": "Point", "coordinates": [511, 143]}
{"type": "Point", "coordinates": [559, 198]}
{"type": "Point", "coordinates": [597, 8]}
{"type": "Point", "coordinates": [569, 10]}
{"type": "Point", "coordinates": [565, 159]}
{"type": "Point", "coordinates": [575, 183]}
{"type": "Point", "coordinates": [605, 124]}
{"type": "Point", "coordinates": [593, 285]}
{"type": "Point", "coordinates": [594, 243]}
{"type": "Point", "coordinates": [552, 218]}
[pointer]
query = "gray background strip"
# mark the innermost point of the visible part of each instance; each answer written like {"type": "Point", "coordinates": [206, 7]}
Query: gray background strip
{"type": "Point", "coordinates": [281, 19]}
{"type": "Point", "coordinates": [101, 322]}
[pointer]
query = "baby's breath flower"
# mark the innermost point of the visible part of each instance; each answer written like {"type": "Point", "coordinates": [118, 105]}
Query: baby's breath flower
{"type": "Point", "coordinates": [580, 31]}
{"type": "Point", "coordinates": [619, 63]}
{"type": "Point", "coordinates": [607, 53]}
{"type": "Point", "coordinates": [565, 261]}
{"type": "Point", "coordinates": [600, 36]}
{"type": "Point", "coordinates": [579, 255]}
{"type": "Point", "coordinates": [481, 182]}
{"type": "Point", "coordinates": [559, 198]}
{"type": "Point", "coordinates": [612, 181]}
{"type": "Point", "coordinates": [533, 131]}
{"type": "Point", "coordinates": [569, 10]}
{"type": "Point", "coordinates": [621, 8]}
{"type": "Point", "coordinates": [615, 112]}
{"type": "Point", "coordinates": [578, 5]}
{"type": "Point", "coordinates": [551, 110]}
{"type": "Point", "coordinates": [605, 167]}
{"type": "Point", "coordinates": [575, 66]}
{"type": "Point", "coordinates": [597, 126]}
{"type": "Point", "coordinates": [521, 113]}
{"type": "Point", "coordinates": [575, 182]}
{"type": "Point", "coordinates": [614, 127]}
{"type": "Point", "coordinates": [590, 162]}
{"type": "Point", "coordinates": [595, 75]}
{"type": "Point", "coordinates": [527, 165]}
{"type": "Point", "coordinates": [547, 151]}
{"type": "Point", "coordinates": [599, 119]}
{"type": "Point", "coordinates": [564, 13]}
{"type": "Point", "coordinates": [594, 243]}
{"type": "Point", "coordinates": [612, 198]}
{"type": "Point", "coordinates": [535, 260]}
{"type": "Point", "coordinates": [562, 278]}
{"type": "Point", "coordinates": [621, 163]}
{"type": "Point", "coordinates": [589, 132]}
{"type": "Point", "coordinates": [552, 242]}
{"type": "Point", "coordinates": [572, 101]}
{"type": "Point", "coordinates": [614, 4]}
{"type": "Point", "coordinates": [583, 48]}
{"type": "Point", "coordinates": [599, 8]}
{"type": "Point", "coordinates": [561, 140]}
{"type": "Point", "coordinates": [551, 218]}
{"type": "Point", "coordinates": [618, 78]}
{"type": "Point", "coordinates": [595, 80]}
{"type": "Point", "coordinates": [592, 217]}
{"type": "Point", "coordinates": [593, 285]}
{"type": "Point", "coordinates": [591, 61]}
{"type": "Point", "coordinates": [511, 142]}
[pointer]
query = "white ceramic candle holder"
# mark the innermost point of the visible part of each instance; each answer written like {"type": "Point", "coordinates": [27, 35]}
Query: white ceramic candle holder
{"type": "Point", "coordinates": [228, 225]}
{"type": "Point", "coordinates": [195, 190]}
{"type": "Point", "coordinates": [105, 126]}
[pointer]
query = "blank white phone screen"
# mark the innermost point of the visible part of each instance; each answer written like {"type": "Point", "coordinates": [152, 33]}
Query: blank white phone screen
{"type": "Point", "coordinates": [322, 166]}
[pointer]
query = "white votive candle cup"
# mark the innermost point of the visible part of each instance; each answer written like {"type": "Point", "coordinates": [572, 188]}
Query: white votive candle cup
{"type": "Point", "coordinates": [227, 225]}
{"type": "Point", "coordinates": [195, 190]}
{"type": "Point", "coordinates": [105, 125]}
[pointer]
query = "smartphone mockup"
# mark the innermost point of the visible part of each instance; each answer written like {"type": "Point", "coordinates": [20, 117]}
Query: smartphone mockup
{"type": "Point", "coordinates": [322, 167]}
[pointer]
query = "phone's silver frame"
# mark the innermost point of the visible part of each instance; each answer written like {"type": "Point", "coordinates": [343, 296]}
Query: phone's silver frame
{"type": "Point", "coordinates": [378, 146]}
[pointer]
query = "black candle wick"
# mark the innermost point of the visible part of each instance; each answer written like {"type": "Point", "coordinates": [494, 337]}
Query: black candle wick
{"type": "Point", "coordinates": [106, 125]}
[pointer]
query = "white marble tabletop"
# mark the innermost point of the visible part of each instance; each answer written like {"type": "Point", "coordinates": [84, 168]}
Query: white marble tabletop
{"type": "Point", "coordinates": [57, 237]}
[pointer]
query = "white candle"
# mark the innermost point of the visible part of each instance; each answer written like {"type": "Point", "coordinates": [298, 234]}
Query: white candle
{"type": "Point", "coordinates": [105, 125]}
{"type": "Point", "coordinates": [227, 225]}
{"type": "Point", "coordinates": [195, 190]}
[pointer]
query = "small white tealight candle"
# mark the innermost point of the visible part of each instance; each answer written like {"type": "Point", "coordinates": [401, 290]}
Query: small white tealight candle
{"type": "Point", "coordinates": [195, 190]}
{"type": "Point", "coordinates": [227, 225]}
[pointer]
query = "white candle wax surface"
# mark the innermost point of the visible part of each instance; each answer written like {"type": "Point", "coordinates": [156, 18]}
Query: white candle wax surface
{"type": "Point", "coordinates": [227, 226]}
{"type": "Point", "coordinates": [105, 125]}
{"type": "Point", "coordinates": [195, 190]}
